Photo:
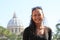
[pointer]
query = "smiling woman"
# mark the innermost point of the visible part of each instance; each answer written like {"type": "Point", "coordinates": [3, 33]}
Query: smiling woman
{"type": "Point", "coordinates": [37, 16]}
{"type": "Point", "coordinates": [36, 29]}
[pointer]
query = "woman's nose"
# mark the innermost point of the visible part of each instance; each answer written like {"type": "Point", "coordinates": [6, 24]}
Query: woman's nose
{"type": "Point", "coordinates": [37, 16]}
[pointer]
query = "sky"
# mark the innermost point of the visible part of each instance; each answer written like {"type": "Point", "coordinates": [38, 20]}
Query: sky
{"type": "Point", "coordinates": [51, 10]}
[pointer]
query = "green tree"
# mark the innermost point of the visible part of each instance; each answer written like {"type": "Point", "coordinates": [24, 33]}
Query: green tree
{"type": "Point", "coordinates": [56, 36]}
{"type": "Point", "coordinates": [20, 36]}
{"type": "Point", "coordinates": [7, 33]}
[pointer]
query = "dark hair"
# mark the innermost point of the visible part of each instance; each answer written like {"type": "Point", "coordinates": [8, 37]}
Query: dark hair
{"type": "Point", "coordinates": [32, 23]}
{"type": "Point", "coordinates": [36, 8]}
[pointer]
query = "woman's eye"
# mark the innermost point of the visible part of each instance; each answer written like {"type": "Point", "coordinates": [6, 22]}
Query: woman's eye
{"type": "Point", "coordinates": [34, 15]}
{"type": "Point", "coordinates": [37, 14]}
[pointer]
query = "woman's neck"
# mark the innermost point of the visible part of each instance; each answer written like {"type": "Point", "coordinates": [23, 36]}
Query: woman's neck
{"type": "Point", "coordinates": [38, 26]}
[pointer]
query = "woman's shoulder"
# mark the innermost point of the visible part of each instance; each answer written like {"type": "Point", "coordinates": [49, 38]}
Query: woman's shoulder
{"type": "Point", "coordinates": [26, 29]}
{"type": "Point", "coordinates": [26, 32]}
{"type": "Point", "coordinates": [48, 28]}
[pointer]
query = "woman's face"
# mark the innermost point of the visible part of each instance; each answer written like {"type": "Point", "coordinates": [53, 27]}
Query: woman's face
{"type": "Point", "coordinates": [37, 16]}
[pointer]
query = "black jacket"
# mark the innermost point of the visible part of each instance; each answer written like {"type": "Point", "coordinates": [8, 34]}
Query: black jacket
{"type": "Point", "coordinates": [29, 35]}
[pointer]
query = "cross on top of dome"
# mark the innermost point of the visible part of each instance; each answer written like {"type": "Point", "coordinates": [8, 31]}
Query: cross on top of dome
{"type": "Point", "coordinates": [14, 15]}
